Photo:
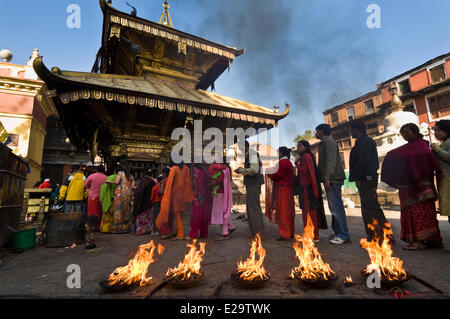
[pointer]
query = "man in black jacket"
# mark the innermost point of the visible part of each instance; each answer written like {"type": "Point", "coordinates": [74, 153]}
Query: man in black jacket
{"type": "Point", "coordinates": [364, 171]}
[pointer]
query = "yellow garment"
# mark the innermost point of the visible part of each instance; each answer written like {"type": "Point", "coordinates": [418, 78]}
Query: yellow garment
{"type": "Point", "coordinates": [75, 191]}
{"type": "Point", "coordinates": [107, 224]}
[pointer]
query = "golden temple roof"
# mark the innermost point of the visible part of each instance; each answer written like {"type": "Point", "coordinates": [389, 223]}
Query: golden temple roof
{"type": "Point", "coordinates": [140, 24]}
{"type": "Point", "coordinates": [141, 91]}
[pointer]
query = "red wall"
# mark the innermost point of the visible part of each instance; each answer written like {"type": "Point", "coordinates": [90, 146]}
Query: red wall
{"type": "Point", "coordinates": [17, 104]}
{"type": "Point", "coordinates": [385, 94]}
{"type": "Point", "coordinates": [447, 67]}
{"type": "Point", "coordinates": [421, 107]}
{"type": "Point", "coordinates": [4, 72]}
{"type": "Point", "coordinates": [39, 114]}
{"type": "Point", "coordinates": [419, 80]}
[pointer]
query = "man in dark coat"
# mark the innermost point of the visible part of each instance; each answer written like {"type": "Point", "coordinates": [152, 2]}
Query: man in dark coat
{"type": "Point", "coordinates": [364, 171]}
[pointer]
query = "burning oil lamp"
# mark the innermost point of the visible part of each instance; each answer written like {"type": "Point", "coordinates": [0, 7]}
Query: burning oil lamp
{"type": "Point", "coordinates": [312, 269]}
{"type": "Point", "coordinates": [251, 273]}
{"type": "Point", "coordinates": [348, 282]}
{"type": "Point", "coordinates": [135, 273]}
{"type": "Point", "coordinates": [188, 272]}
{"type": "Point", "coordinates": [390, 268]}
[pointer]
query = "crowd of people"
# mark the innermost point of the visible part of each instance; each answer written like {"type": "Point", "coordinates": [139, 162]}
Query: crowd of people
{"type": "Point", "coordinates": [155, 206]}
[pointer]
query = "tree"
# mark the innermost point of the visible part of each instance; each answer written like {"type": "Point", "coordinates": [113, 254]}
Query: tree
{"type": "Point", "coordinates": [306, 136]}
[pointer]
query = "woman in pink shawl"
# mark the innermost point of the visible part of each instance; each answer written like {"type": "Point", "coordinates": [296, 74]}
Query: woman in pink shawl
{"type": "Point", "coordinates": [411, 169]}
{"type": "Point", "coordinates": [223, 200]}
{"type": "Point", "coordinates": [201, 207]}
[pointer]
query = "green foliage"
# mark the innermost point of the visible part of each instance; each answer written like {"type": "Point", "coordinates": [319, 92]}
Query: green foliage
{"type": "Point", "coordinates": [306, 136]}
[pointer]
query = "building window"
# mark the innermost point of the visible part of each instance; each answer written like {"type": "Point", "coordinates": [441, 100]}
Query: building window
{"type": "Point", "coordinates": [369, 107]}
{"type": "Point", "coordinates": [340, 136]}
{"type": "Point", "coordinates": [439, 106]}
{"type": "Point", "coordinates": [334, 117]}
{"type": "Point", "coordinates": [437, 74]}
{"type": "Point", "coordinates": [346, 143]}
{"type": "Point", "coordinates": [404, 87]}
{"type": "Point", "coordinates": [410, 108]}
{"type": "Point", "coordinates": [350, 113]}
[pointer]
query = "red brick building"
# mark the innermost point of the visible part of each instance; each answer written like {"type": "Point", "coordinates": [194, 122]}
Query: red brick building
{"type": "Point", "coordinates": [424, 90]}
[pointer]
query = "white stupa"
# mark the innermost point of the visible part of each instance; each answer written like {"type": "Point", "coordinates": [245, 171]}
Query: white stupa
{"type": "Point", "coordinates": [391, 138]}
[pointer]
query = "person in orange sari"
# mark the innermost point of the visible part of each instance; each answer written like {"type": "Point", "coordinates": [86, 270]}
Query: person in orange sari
{"type": "Point", "coordinates": [282, 198]}
{"type": "Point", "coordinates": [177, 196]}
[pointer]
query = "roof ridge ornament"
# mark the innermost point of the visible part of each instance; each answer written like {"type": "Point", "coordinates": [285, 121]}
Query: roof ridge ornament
{"type": "Point", "coordinates": [165, 16]}
{"type": "Point", "coordinates": [134, 11]}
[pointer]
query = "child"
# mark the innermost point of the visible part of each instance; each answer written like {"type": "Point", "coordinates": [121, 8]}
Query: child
{"type": "Point", "coordinates": [90, 224]}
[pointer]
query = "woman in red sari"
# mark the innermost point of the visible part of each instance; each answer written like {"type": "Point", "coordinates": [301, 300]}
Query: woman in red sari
{"type": "Point", "coordinates": [201, 207]}
{"type": "Point", "coordinates": [411, 169]}
{"type": "Point", "coordinates": [282, 198]}
{"type": "Point", "coordinates": [310, 196]}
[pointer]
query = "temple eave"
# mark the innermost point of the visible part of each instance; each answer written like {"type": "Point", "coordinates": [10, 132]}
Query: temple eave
{"type": "Point", "coordinates": [70, 87]}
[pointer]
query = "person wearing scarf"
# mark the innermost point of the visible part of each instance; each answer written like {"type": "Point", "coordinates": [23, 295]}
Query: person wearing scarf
{"type": "Point", "coordinates": [442, 152]}
{"type": "Point", "coordinates": [122, 201]}
{"type": "Point", "coordinates": [280, 202]}
{"type": "Point", "coordinates": [107, 192]}
{"type": "Point", "coordinates": [223, 200]}
{"type": "Point", "coordinates": [411, 168]}
{"type": "Point", "coordinates": [310, 196]}
{"type": "Point", "coordinates": [201, 207]}
{"type": "Point", "coordinates": [142, 204]}
{"type": "Point", "coordinates": [253, 179]}
{"type": "Point", "coordinates": [177, 196]}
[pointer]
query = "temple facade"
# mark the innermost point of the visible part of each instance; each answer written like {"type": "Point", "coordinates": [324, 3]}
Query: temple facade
{"type": "Point", "coordinates": [147, 79]}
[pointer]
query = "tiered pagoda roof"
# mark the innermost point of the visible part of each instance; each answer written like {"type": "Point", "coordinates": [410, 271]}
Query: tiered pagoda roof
{"type": "Point", "coordinates": [147, 79]}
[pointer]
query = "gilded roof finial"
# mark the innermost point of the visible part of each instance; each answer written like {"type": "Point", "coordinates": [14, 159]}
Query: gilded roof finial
{"type": "Point", "coordinates": [165, 16]}
{"type": "Point", "coordinates": [396, 103]}
{"type": "Point", "coordinates": [33, 57]}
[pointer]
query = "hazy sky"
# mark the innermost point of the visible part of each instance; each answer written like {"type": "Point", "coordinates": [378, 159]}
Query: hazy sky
{"type": "Point", "coordinates": [314, 54]}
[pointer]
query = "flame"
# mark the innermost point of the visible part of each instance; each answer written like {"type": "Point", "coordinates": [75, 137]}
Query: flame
{"type": "Point", "coordinates": [253, 267]}
{"type": "Point", "coordinates": [136, 270]}
{"type": "Point", "coordinates": [190, 265]}
{"type": "Point", "coordinates": [348, 279]}
{"type": "Point", "coordinates": [380, 252]}
{"type": "Point", "coordinates": [311, 265]}
{"type": "Point", "coordinates": [161, 249]}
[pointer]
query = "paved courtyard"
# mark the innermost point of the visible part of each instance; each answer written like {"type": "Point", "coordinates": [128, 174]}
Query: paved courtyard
{"type": "Point", "coordinates": [41, 272]}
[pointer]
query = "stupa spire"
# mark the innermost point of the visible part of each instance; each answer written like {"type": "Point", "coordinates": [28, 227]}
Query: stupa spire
{"type": "Point", "coordinates": [396, 103]}
{"type": "Point", "coordinates": [165, 16]}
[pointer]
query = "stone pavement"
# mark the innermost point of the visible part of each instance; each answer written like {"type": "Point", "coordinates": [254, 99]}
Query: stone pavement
{"type": "Point", "coordinates": [41, 272]}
